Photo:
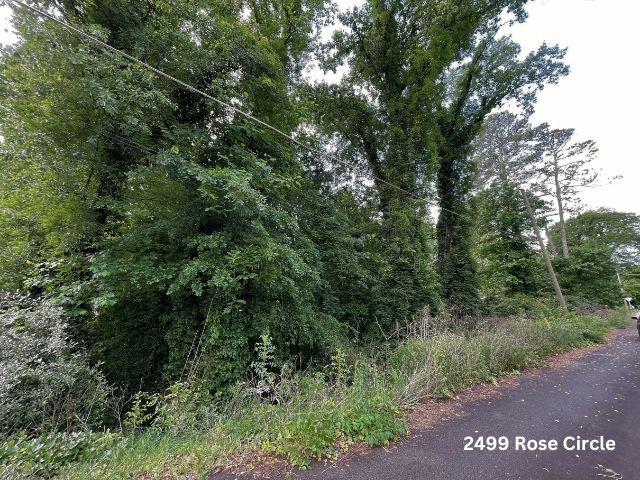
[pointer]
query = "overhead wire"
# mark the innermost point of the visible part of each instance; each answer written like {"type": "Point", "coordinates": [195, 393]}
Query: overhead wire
{"type": "Point", "coordinates": [157, 150]}
{"type": "Point", "coordinates": [222, 103]}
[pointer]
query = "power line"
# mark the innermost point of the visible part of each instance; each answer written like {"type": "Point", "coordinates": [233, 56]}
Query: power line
{"type": "Point", "coordinates": [156, 151]}
{"type": "Point", "coordinates": [161, 73]}
{"type": "Point", "coordinates": [222, 103]}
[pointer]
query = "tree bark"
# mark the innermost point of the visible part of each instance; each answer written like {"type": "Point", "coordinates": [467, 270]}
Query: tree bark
{"type": "Point", "coordinates": [563, 225]}
{"type": "Point", "coordinates": [552, 246]}
{"type": "Point", "coordinates": [545, 254]}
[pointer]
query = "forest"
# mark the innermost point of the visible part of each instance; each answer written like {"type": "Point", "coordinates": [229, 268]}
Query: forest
{"type": "Point", "coordinates": [179, 272]}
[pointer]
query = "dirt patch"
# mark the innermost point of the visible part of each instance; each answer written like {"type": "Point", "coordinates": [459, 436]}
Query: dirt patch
{"type": "Point", "coordinates": [256, 464]}
{"type": "Point", "coordinates": [431, 412]}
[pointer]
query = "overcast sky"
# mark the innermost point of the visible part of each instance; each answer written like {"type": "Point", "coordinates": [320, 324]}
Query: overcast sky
{"type": "Point", "coordinates": [600, 96]}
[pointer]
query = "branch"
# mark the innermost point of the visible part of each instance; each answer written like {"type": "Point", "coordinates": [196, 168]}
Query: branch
{"type": "Point", "coordinates": [468, 80]}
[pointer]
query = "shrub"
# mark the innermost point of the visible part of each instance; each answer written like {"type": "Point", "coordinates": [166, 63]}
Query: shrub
{"type": "Point", "coordinates": [47, 383]}
{"type": "Point", "coordinates": [517, 304]}
{"type": "Point", "coordinates": [374, 420]}
{"type": "Point", "coordinates": [24, 457]}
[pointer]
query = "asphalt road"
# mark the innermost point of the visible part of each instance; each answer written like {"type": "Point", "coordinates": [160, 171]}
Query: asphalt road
{"type": "Point", "coordinates": [597, 395]}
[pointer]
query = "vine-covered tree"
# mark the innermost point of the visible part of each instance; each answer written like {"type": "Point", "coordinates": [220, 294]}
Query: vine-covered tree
{"type": "Point", "coordinates": [408, 61]}
{"type": "Point", "coordinates": [156, 216]}
{"type": "Point", "coordinates": [492, 73]}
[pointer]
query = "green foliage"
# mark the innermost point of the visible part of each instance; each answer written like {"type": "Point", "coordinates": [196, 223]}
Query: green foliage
{"type": "Point", "coordinates": [519, 305]}
{"type": "Point", "coordinates": [631, 283]}
{"type": "Point", "coordinates": [375, 421]}
{"type": "Point", "coordinates": [495, 73]}
{"type": "Point", "coordinates": [173, 240]}
{"type": "Point", "coordinates": [153, 216]}
{"type": "Point", "coordinates": [606, 228]}
{"type": "Point", "coordinates": [43, 457]}
{"type": "Point", "coordinates": [142, 411]}
{"type": "Point", "coordinates": [264, 365]}
{"type": "Point", "coordinates": [160, 221]}
{"type": "Point", "coordinates": [589, 273]}
{"type": "Point", "coordinates": [507, 263]}
{"type": "Point", "coordinates": [313, 419]}
{"type": "Point", "coordinates": [181, 409]}
{"type": "Point", "coordinates": [339, 369]}
{"type": "Point", "coordinates": [48, 384]}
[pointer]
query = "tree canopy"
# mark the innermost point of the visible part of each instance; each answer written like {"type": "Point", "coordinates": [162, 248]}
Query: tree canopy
{"type": "Point", "coordinates": [172, 230]}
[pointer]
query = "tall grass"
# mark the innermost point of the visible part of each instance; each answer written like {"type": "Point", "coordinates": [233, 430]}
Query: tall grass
{"type": "Point", "coordinates": [301, 416]}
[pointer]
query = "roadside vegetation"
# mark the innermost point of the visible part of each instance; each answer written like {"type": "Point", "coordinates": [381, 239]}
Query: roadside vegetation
{"type": "Point", "coordinates": [292, 418]}
{"type": "Point", "coordinates": [184, 287]}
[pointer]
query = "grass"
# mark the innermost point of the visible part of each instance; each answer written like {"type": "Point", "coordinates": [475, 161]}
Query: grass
{"type": "Point", "coordinates": [311, 416]}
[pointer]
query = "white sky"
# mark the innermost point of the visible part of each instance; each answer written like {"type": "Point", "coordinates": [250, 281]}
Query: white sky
{"type": "Point", "coordinates": [599, 98]}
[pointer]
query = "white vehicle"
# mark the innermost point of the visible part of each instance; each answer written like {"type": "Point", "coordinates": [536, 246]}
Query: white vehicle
{"type": "Point", "coordinates": [636, 315]}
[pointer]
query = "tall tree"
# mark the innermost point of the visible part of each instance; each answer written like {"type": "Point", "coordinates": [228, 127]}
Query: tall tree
{"type": "Point", "coordinates": [408, 61]}
{"type": "Point", "coordinates": [382, 114]}
{"type": "Point", "coordinates": [151, 212]}
{"type": "Point", "coordinates": [505, 150]}
{"type": "Point", "coordinates": [492, 73]}
{"type": "Point", "coordinates": [564, 167]}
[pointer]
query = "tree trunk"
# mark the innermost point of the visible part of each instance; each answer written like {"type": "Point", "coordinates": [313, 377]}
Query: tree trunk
{"type": "Point", "coordinates": [552, 246]}
{"type": "Point", "coordinates": [563, 226]}
{"type": "Point", "coordinates": [545, 254]}
{"type": "Point", "coordinates": [455, 262]}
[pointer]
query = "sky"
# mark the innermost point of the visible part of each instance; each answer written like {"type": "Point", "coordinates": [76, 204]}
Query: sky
{"type": "Point", "coordinates": [599, 98]}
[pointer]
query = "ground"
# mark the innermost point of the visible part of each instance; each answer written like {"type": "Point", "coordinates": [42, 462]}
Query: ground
{"type": "Point", "coordinates": [589, 394]}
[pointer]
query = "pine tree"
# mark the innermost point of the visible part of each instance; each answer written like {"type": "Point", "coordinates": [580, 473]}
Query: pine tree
{"type": "Point", "coordinates": [564, 168]}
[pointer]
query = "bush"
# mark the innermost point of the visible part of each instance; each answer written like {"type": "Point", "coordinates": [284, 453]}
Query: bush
{"type": "Point", "coordinates": [47, 383]}
{"type": "Point", "coordinates": [24, 457]}
{"type": "Point", "coordinates": [517, 304]}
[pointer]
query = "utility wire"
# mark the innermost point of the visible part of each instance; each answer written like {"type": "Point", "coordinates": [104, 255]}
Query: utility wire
{"type": "Point", "coordinates": [156, 151]}
{"type": "Point", "coordinates": [222, 103]}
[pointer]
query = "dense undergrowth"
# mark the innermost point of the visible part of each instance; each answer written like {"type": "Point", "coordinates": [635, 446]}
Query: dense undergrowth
{"type": "Point", "coordinates": [302, 416]}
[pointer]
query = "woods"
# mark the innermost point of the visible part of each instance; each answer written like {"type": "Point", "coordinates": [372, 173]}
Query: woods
{"type": "Point", "coordinates": [166, 238]}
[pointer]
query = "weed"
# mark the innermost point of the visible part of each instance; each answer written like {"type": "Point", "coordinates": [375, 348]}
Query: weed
{"type": "Point", "coordinates": [312, 416]}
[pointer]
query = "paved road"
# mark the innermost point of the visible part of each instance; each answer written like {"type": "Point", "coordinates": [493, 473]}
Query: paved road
{"type": "Point", "coordinates": [596, 395]}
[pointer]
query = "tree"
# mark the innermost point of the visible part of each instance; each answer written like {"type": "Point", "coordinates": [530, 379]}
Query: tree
{"type": "Point", "coordinates": [631, 284]}
{"type": "Point", "coordinates": [291, 27]}
{"type": "Point", "coordinates": [422, 78]}
{"type": "Point", "coordinates": [491, 74]}
{"type": "Point", "coordinates": [619, 231]}
{"type": "Point", "coordinates": [564, 168]}
{"type": "Point", "coordinates": [605, 243]}
{"type": "Point", "coordinates": [159, 219]}
{"type": "Point", "coordinates": [381, 115]}
{"type": "Point", "coordinates": [507, 263]}
{"type": "Point", "coordinates": [504, 150]}
{"type": "Point", "coordinates": [589, 275]}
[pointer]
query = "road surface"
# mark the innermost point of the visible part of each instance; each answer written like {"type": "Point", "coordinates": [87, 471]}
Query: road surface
{"type": "Point", "coordinates": [595, 396]}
